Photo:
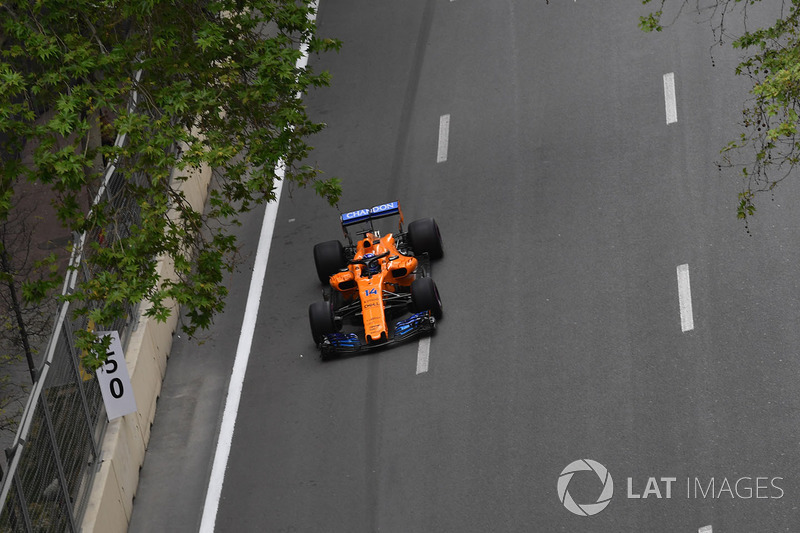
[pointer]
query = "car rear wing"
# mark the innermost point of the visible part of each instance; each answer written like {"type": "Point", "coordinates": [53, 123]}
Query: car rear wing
{"type": "Point", "coordinates": [365, 215]}
{"type": "Point", "coordinates": [368, 215]}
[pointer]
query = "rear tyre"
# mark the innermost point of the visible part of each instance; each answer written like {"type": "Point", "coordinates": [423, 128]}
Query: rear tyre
{"type": "Point", "coordinates": [425, 297]}
{"type": "Point", "coordinates": [424, 237]}
{"type": "Point", "coordinates": [320, 316]}
{"type": "Point", "coordinates": [329, 258]}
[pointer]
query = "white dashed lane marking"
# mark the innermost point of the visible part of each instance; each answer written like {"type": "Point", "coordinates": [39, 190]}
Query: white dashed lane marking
{"type": "Point", "coordinates": [423, 354]}
{"type": "Point", "coordinates": [685, 298]}
{"type": "Point", "coordinates": [669, 98]}
{"type": "Point", "coordinates": [444, 138]}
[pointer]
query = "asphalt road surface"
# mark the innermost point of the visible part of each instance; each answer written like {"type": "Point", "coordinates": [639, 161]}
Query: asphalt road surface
{"type": "Point", "coordinates": [602, 302]}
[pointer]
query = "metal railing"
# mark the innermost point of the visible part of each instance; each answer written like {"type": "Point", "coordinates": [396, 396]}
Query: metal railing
{"type": "Point", "coordinates": [56, 452]}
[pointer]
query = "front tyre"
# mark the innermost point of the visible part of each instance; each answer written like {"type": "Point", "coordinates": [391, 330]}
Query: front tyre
{"type": "Point", "coordinates": [425, 297]}
{"type": "Point", "coordinates": [320, 316]}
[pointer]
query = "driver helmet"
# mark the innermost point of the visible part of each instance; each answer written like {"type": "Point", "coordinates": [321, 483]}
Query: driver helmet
{"type": "Point", "coordinates": [373, 265]}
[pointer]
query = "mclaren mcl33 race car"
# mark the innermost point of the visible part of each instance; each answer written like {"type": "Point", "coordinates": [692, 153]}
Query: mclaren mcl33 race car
{"type": "Point", "coordinates": [378, 288]}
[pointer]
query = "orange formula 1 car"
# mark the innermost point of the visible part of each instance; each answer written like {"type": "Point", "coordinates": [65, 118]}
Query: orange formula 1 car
{"type": "Point", "coordinates": [373, 283]}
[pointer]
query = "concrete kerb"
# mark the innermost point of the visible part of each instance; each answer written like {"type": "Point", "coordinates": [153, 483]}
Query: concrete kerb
{"type": "Point", "coordinates": [123, 450]}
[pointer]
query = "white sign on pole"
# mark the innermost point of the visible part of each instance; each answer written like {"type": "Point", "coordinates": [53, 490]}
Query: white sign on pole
{"type": "Point", "coordinates": [114, 381]}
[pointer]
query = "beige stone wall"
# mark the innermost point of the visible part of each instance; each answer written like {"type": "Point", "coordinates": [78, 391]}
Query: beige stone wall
{"type": "Point", "coordinates": [125, 442]}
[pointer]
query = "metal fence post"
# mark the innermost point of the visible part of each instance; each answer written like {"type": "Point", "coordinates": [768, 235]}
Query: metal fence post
{"type": "Point", "coordinates": [23, 504]}
{"type": "Point", "coordinates": [62, 479]}
{"type": "Point", "coordinates": [82, 391]}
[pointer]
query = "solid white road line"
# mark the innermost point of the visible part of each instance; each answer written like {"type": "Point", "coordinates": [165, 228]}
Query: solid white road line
{"type": "Point", "coordinates": [423, 354]}
{"type": "Point", "coordinates": [669, 98]}
{"type": "Point", "coordinates": [239, 366]}
{"type": "Point", "coordinates": [685, 298]}
{"type": "Point", "coordinates": [225, 439]}
{"type": "Point", "coordinates": [706, 529]}
{"type": "Point", "coordinates": [444, 138]}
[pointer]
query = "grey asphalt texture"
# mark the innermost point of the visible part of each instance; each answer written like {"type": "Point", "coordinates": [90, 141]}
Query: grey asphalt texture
{"type": "Point", "coordinates": [566, 204]}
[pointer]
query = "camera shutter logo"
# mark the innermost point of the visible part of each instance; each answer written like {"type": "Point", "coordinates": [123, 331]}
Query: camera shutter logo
{"type": "Point", "coordinates": [585, 509]}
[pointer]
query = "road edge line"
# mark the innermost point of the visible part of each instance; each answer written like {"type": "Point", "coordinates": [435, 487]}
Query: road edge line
{"type": "Point", "coordinates": [225, 440]}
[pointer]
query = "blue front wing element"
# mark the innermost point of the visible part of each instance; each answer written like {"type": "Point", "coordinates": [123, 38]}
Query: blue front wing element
{"type": "Point", "coordinates": [341, 342]}
{"type": "Point", "coordinates": [412, 326]}
{"type": "Point", "coordinates": [416, 323]}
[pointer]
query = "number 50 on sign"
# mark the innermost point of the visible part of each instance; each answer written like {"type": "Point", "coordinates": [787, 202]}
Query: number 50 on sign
{"type": "Point", "coordinates": [114, 381]}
